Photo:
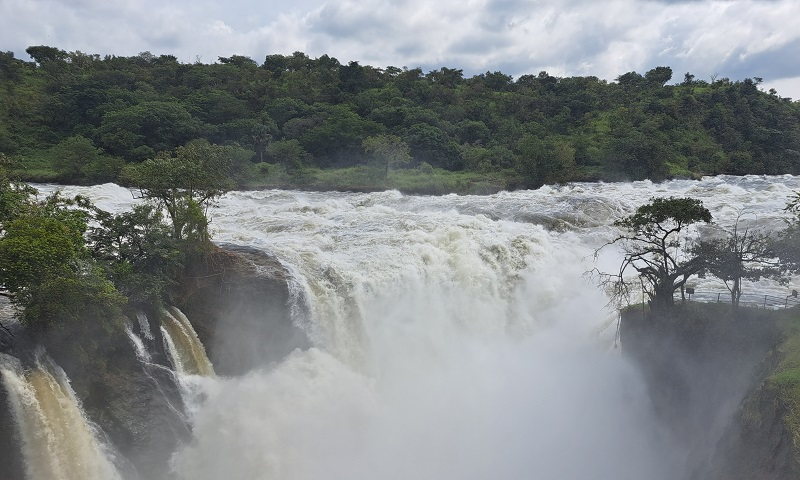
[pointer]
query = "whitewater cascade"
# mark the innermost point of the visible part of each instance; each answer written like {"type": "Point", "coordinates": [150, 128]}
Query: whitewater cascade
{"type": "Point", "coordinates": [58, 442]}
{"type": "Point", "coordinates": [146, 360]}
{"type": "Point", "coordinates": [138, 345]}
{"type": "Point", "coordinates": [186, 351]}
{"type": "Point", "coordinates": [144, 325]}
{"type": "Point", "coordinates": [454, 337]}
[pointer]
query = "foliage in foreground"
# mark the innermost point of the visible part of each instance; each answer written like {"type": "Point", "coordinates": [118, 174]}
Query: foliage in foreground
{"type": "Point", "coordinates": [65, 264]}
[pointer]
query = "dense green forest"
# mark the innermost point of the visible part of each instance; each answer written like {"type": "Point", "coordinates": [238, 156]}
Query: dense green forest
{"type": "Point", "coordinates": [298, 121]}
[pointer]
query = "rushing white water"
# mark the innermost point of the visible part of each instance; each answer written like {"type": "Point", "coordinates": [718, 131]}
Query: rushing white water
{"type": "Point", "coordinates": [455, 337]}
{"type": "Point", "coordinates": [144, 325]}
{"type": "Point", "coordinates": [58, 442]}
{"type": "Point", "coordinates": [138, 345]}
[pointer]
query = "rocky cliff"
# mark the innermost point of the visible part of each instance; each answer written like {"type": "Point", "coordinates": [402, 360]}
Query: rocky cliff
{"type": "Point", "coordinates": [239, 302]}
{"type": "Point", "coordinates": [710, 371]}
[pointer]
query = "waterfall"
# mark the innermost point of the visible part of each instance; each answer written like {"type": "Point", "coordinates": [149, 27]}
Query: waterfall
{"type": "Point", "coordinates": [186, 351]}
{"type": "Point", "coordinates": [150, 369]}
{"type": "Point", "coordinates": [138, 345]}
{"type": "Point", "coordinates": [454, 337]}
{"type": "Point", "coordinates": [58, 441]}
{"type": "Point", "coordinates": [144, 325]}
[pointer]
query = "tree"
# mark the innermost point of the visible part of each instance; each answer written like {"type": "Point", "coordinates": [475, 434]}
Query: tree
{"type": "Point", "coordinates": [42, 54]}
{"type": "Point", "coordinates": [390, 150]}
{"type": "Point", "coordinates": [138, 131]}
{"type": "Point", "coordinates": [185, 182]}
{"type": "Point", "coordinates": [42, 247]}
{"type": "Point", "coordinates": [630, 79]}
{"type": "Point", "coordinates": [15, 199]}
{"type": "Point", "coordinates": [260, 136]}
{"type": "Point", "coordinates": [653, 248]}
{"type": "Point", "coordinates": [544, 161]}
{"type": "Point", "coordinates": [76, 159]}
{"type": "Point", "coordinates": [137, 251]}
{"type": "Point", "coordinates": [288, 153]}
{"type": "Point", "coordinates": [340, 129]}
{"type": "Point", "coordinates": [431, 144]}
{"type": "Point", "coordinates": [742, 254]}
{"type": "Point", "coordinates": [658, 76]}
{"type": "Point", "coordinates": [35, 247]}
{"type": "Point", "coordinates": [74, 299]}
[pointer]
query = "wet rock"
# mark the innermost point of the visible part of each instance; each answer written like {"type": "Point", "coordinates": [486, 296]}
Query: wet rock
{"type": "Point", "coordinates": [239, 303]}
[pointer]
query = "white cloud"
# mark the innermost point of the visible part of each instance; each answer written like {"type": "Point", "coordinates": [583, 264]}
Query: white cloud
{"type": "Point", "coordinates": [567, 37]}
{"type": "Point", "coordinates": [786, 87]}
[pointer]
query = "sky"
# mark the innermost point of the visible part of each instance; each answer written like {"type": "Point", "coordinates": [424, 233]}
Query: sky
{"type": "Point", "coordinates": [709, 38]}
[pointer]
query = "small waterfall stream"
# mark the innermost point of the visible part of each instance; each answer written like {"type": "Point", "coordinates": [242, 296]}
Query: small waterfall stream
{"type": "Point", "coordinates": [138, 345]}
{"type": "Point", "coordinates": [187, 352]}
{"type": "Point", "coordinates": [144, 325]}
{"type": "Point", "coordinates": [58, 441]}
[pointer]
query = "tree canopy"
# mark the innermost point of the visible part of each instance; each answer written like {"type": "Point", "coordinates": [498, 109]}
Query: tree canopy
{"type": "Point", "coordinates": [66, 263]}
{"type": "Point", "coordinates": [75, 117]}
{"type": "Point", "coordinates": [185, 182]}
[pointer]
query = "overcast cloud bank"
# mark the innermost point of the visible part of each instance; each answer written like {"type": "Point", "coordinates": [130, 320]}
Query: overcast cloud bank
{"type": "Point", "coordinates": [735, 39]}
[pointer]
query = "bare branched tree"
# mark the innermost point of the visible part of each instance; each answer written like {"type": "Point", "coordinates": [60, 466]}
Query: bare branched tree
{"type": "Point", "coordinates": [653, 248]}
{"type": "Point", "coordinates": [740, 254]}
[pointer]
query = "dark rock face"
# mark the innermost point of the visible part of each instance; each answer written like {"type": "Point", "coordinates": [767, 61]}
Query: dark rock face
{"type": "Point", "coordinates": [701, 363]}
{"type": "Point", "coordinates": [143, 417]}
{"type": "Point", "coordinates": [238, 301]}
{"type": "Point", "coordinates": [137, 407]}
{"type": "Point", "coordinates": [12, 462]}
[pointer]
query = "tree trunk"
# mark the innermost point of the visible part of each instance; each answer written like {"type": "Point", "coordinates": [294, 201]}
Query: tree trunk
{"type": "Point", "coordinates": [662, 297]}
{"type": "Point", "coordinates": [736, 292]}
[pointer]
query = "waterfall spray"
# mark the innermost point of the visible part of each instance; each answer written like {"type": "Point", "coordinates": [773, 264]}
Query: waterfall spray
{"type": "Point", "coordinates": [144, 325]}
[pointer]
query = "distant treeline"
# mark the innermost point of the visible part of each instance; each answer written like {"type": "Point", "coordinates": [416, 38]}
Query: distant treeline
{"type": "Point", "coordinates": [75, 117]}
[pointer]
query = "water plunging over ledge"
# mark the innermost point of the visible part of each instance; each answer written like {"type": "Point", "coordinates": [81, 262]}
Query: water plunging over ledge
{"type": "Point", "coordinates": [453, 337]}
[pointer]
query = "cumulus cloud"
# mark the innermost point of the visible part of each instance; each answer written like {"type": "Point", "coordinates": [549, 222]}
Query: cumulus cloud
{"type": "Point", "coordinates": [734, 38]}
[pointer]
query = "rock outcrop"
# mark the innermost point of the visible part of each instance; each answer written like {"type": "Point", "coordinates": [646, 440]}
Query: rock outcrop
{"type": "Point", "coordinates": [239, 303]}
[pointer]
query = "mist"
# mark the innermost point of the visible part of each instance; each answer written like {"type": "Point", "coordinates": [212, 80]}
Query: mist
{"type": "Point", "coordinates": [434, 400]}
{"type": "Point", "coordinates": [446, 346]}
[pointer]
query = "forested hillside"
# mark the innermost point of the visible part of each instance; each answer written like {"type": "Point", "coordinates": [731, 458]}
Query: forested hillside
{"type": "Point", "coordinates": [295, 120]}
